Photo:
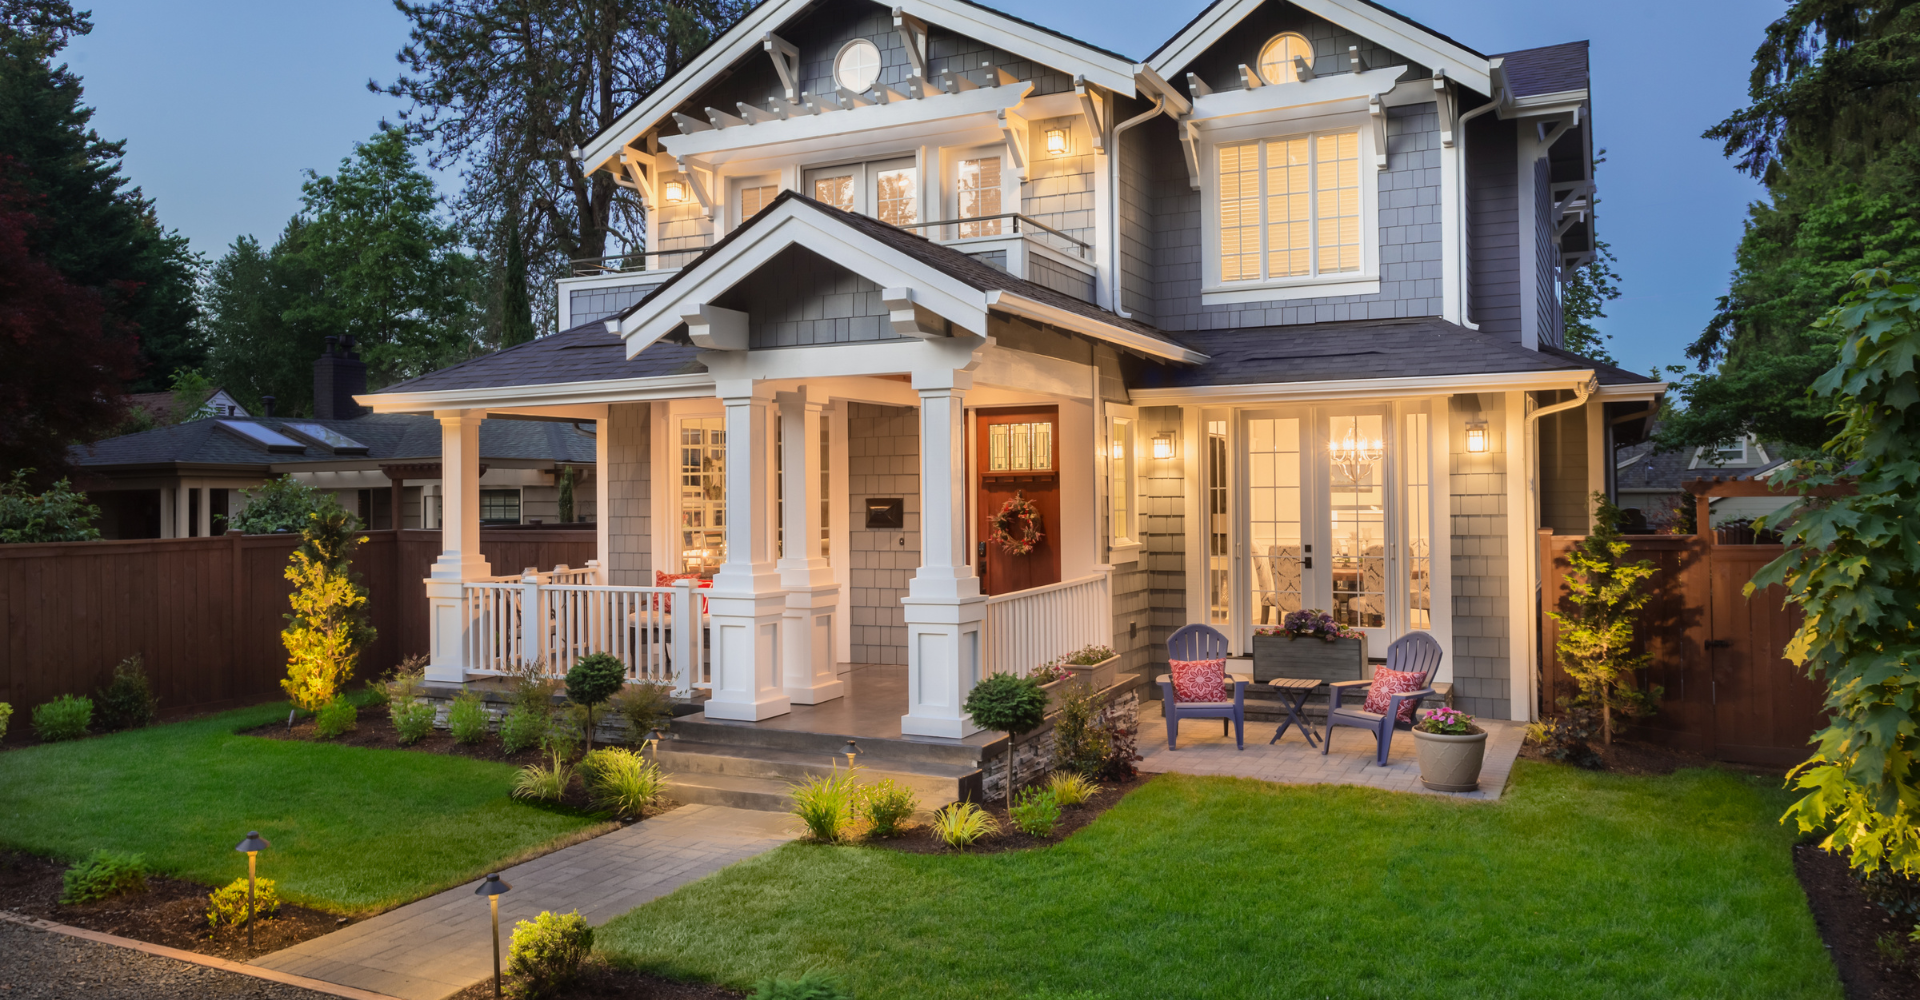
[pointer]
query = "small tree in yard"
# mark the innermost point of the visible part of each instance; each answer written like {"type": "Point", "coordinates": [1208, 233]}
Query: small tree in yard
{"type": "Point", "coordinates": [594, 679]}
{"type": "Point", "coordinates": [1596, 637]}
{"type": "Point", "coordinates": [1008, 704]}
{"type": "Point", "coordinates": [328, 628]}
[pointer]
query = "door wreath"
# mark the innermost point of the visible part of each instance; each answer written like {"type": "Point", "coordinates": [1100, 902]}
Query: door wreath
{"type": "Point", "coordinates": [1016, 528]}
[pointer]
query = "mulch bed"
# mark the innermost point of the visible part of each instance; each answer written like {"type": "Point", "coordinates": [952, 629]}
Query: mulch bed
{"type": "Point", "coordinates": [1851, 925]}
{"type": "Point", "coordinates": [172, 912]}
{"type": "Point", "coordinates": [1650, 759]}
{"type": "Point", "coordinates": [599, 982]}
{"type": "Point", "coordinates": [919, 839]}
{"type": "Point", "coordinates": [375, 729]}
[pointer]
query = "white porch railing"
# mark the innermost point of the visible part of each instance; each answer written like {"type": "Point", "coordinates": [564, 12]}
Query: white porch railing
{"type": "Point", "coordinates": [1029, 627]}
{"type": "Point", "coordinates": [658, 633]}
{"type": "Point", "coordinates": [562, 573]}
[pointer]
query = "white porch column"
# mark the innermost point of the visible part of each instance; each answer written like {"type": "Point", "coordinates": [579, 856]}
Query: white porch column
{"type": "Point", "coordinates": [747, 601]}
{"type": "Point", "coordinates": [182, 512]}
{"type": "Point", "coordinates": [166, 512]}
{"type": "Point", "coordinates": [943, 607]}
{"type": "Point", "coordinates": [813, 597]}
{"type": "Point", "coordinates": [204, 516]}
{"type": "Point", "coordinates": [460, 559]}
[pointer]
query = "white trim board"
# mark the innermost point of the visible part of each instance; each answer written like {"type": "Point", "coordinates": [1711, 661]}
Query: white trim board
{"type": "Point", "coordinates": [1418, 385]}
{"type": "Point", "coordinates": [1390, 32]}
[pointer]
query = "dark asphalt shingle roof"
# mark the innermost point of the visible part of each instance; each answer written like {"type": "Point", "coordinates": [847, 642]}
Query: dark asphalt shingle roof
{"type": "Point", "coordinates": [1390, 12]}
{"type": "Point", "coordinates": [1358, 350]}
{"type": "Point", "coordinates": [1643, 468]}
{"type": "Point", "coordinates": [586, 353]}
{"type": "Point", "coordinates": [389, 437]}
{"type": "Point", "coordinates": [1550, 69]}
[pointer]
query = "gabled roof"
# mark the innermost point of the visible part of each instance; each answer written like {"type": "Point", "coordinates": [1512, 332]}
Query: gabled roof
{"type": "Point", "coordinates": [1388, 28]}
{"type": "Point", "coordinates": [1042, 45]}
{"type": "Point", "coordinates": [942, 269]}
{"type": "Point", "coordinates": [1550, 69]}
{"type": "Point", "coordinates": [388, 437]}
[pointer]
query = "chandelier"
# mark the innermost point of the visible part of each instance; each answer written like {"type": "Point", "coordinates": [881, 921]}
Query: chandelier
{"type": "Point", "coordinates": [1355, 456]}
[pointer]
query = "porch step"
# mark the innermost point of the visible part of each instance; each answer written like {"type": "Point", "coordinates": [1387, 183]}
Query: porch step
{"type": "Point", "coordinates": [873, 750]}
{"type": "Point", "coordinates": [759, 794]}
{"type": "Point", "coordinates": [936, 783]}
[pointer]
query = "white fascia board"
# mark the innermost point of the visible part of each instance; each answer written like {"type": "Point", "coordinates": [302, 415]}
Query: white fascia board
{"type": "Point", "coordinates": [797, 223]}
{"type": "Point", "coordinates": [1020, 305]}
{"type": "Point", "coordinates": [1389, 32]}
{"type": "Point", "coordinates": [1559, 103]}
{"type": "Point", "coordinates": [1221, 104]}
{"type": "Point", "coordinates": [938, 109]}
{"type": "Point", "coordinates": [887, 357]}
{"type": "Point", "coordinates": [1426, 385]}
{"type": "Point", "coordinates": [1626, 393]}
{"type": "Point", "coordinates": [622, 390]}
{"type": "Point", "coordinates": [1009, 35]}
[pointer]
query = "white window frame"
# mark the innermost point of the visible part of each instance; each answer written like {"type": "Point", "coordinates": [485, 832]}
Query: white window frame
{"type": "Point", "coordinates": [1123, 457]}
{"type": "Point", "coordinates": [1366, 281]}
{"type": "Point", "coordinates": [950, 186]}
{"type": "Point", "coordinates": [736, 187]}
{"type": "Point", "coordinates": [866, 173]}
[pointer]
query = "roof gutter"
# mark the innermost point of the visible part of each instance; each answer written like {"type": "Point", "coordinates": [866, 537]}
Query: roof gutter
{"type": "Point", "coordinates": [1430, 385]}
{"type": "Point", "coordinates": [623, 390]}
{"type": "Point", "coordinates": [1020, 305]}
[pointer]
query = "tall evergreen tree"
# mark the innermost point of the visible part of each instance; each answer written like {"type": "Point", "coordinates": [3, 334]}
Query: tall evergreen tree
{"type": "Point", "coordinates": [253, 349]}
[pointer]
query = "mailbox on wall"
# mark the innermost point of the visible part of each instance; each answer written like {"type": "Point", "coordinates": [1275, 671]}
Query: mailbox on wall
{"type": "Point", "coordinates": [888, 513]}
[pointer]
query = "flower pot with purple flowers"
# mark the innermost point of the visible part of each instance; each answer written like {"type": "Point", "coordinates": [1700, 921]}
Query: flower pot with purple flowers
{"type": "Point", "coordinates": [1309, 643]}
{"type": "Point", "coordinates": [1451, 749]}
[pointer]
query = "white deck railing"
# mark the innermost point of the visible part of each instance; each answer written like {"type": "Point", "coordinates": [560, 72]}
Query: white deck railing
{"type": "Point", "coordinates": [1029, 627]}
{"type": "Point", "coordinates": [658, 633]}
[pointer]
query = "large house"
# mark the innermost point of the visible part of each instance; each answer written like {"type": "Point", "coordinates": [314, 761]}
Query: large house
{"type": "Point", "coordinates": [1267, 320]}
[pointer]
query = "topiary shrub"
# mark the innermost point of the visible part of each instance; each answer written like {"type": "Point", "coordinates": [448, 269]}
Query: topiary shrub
{"type": "Point", "coordinates": [594, 678]}
{"type": "Point", "coordinates": [102, 875]}
{"type": "Point", "coordinates": [813, 985]}
{"type": "Point", "coordinates": [467, 718]}
{"type": "Point", "coordinates": [413, 721]}
{"type": "Point", "coordinates": [547, 953]}
{"type": "Point", "coordinates": [127, 702]}
{"type": "Point", "coordinates": [887, 806]}
{"type": "Point", "coordinates": [1008, 704]}
{"type": "Point", "coordinates": [227, 907]}
{"type": "Point", "coordinates": [64, 718]}
{"type": "Point", "coordinates": [335, 719]}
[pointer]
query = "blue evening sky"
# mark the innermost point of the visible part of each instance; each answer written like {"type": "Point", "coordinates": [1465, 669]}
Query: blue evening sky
{"type": "Point", "coordinates": [225, 102]}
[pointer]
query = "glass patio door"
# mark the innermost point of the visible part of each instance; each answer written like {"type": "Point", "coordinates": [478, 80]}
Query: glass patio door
{"type": "Point", "coordinates": [1279, 544]}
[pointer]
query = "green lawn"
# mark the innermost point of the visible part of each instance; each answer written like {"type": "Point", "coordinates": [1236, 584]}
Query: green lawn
{"type": "Point", "coordinates": [1575, 885]}
{"type": "Point", "coordinates": [352, 829]}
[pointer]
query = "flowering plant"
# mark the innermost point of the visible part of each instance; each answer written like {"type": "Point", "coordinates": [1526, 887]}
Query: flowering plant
{"type": "Point", "coordinates": [1449, 721]}
{"type": "Point", "coordinates": [1050, 671]}
{"type": "Point", "coordinates": [1310, 624]}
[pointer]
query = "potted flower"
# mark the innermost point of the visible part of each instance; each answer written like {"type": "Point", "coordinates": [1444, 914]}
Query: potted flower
{"type": "Point", "coordinates": [1094, 664]}
{"type": "Point", "coordinates": [1309, 643]}
{"type": "Point", "coordinates": [1451, 749]}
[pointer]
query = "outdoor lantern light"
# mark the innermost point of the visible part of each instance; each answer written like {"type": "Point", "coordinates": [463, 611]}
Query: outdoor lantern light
{"type": "Point", "coordinates": [1163, 446]}
{"type": "Point", "coordinates": [853, 750]}
{"type": "Point", "coordinates": [252, 846]}
{"type": "Point", "coordinates": [492, 888]}
{"type": "Point", "coordinates": [1476, 436]}
{"type": "Point", "coordinates": [1056, 141]}
{"type": "Point", "coordinates": [674, 192]}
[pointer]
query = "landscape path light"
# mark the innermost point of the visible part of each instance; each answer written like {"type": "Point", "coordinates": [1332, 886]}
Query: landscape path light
{"type": "Point", "coordinates": [252, 846]}
{"type": "Point", "coordinates": [852, 751]}
{"type": "Point", "coordinates": [652, 743]}
{"type": "Point", "coordinates": [492, 888]}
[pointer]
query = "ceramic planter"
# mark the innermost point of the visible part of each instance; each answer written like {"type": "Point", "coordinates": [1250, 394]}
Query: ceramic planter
{"type": "Point", "coordinates": [1054, 690]}
{"type": "Point", "coordinates": [1100, 674]}
{"type": "Point", "coordinates": [1286, 656]}
{"type": "Point", "coordinates": [1450, 763]}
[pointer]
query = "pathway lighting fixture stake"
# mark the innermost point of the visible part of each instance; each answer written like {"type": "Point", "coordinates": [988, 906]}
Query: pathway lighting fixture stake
{"type": "Point", "coordinates": [653, 743]}
{"type": "Point", "coordinates": [252, 846]}
{"type": "Point", "coordinates": [852, 751]}
{"type": "Point", "coordinates": [492, 888]}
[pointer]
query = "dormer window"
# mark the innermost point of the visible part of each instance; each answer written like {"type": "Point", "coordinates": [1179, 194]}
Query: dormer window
{"type": "Point", "coordinates": [857, 66]}
{"type": "Point", "coordinates": [1276, 57]}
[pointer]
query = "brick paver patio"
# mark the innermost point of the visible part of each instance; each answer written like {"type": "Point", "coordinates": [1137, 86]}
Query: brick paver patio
{"type": "Point", "coordinates": [440, 945]}
{"type": "Point", "coordinates": [1204, 751]}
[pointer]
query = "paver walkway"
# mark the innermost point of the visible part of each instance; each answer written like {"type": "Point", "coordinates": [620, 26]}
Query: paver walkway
{"type": "Point", "coordinates": [440, 945]}
{"type": "Point", "coordinates": [1204, 751]}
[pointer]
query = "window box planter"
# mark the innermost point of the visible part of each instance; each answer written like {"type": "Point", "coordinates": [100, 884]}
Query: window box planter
{"type": "Point", "coordinates": [1451, 763]}
{"type": "Point", "coordinates": [1101, 674]}
{"type": "Point", "coordinates": [1285, 656]}
{"type": "Point", "coordinates": [1054, 690]}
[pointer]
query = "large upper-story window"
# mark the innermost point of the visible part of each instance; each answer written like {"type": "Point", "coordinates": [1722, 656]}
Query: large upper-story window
{"type": "Point", "coordinates": [976, 192]}
{"type": "Point", "coordinates": [1290, 207]}
{"type": "Point", "coordinates": [887, 190]}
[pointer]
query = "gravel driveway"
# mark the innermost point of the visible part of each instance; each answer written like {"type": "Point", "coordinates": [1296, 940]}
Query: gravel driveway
{"type": "Point", "coordinates": [37, 965]}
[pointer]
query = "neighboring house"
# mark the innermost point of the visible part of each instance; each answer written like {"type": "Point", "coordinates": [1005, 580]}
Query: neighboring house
{"type": "Point", "coordinates": [1269, 320]}
{"type": "Point", "coordinates": [1652, 482]}
{"type": "Point", "coordinates": [183, 480]}
{"type": "Point", "coordinates": [163, 407]}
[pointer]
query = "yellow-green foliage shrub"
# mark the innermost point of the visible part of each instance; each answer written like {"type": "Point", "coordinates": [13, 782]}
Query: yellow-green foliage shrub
{"type": "Point", "coordinates": [227, 907]}
{"type": "Point", "coordinates": [328, 627]}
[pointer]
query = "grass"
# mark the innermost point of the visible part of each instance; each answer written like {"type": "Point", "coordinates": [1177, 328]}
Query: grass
{"type": "Point", "coordinates": [352, 829]}
{"type": "Point", "coordinates": [1576, 885]}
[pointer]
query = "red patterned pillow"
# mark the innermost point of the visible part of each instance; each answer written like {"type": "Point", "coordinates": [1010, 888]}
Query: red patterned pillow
{"type": "Point", "coordinates": [1200, 680]}
{"type": "Point", "coordinates": [1387, 683]}
{"type": "Point", "coordinates": [664, 579]}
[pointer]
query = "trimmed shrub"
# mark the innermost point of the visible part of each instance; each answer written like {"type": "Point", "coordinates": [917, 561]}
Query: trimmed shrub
{"type": "Point", "coordinates": [1071, 789]}
{"type": "Point", "coordinates": [467, 718]}
{"type": "Point", "coordinates": [64, 718]}
{"type": "Point", "coordinates": [962, 824]}
{"type": "Point", "coordinates": [547, 784]}
{"type": "Point", "coordinates": [1008, 704]}
{"type": "Point", "coordinates": [1036, 813]}
{"type": "Point", "coordinates": [335, 718]}
{"type": "Point", "coordinates": [825, 805]}
{"type": "Point", "coordinates": [887, 806]}
{"type": "Point", "coordinates": [102, 875]}
{"type": "Point", "coordinates": [127, 702]}
{"type": "Point", "coordinates": [621, 781]}
{"type": "Point", "coordinates": [813, 985]}
{"type": "Point", "coordinates": [413, 721]}
{"type": "Point", "coordinates": [595, 678]}
{"type": "Point", "coordinates": [228, 907]}
{"type": "Point", "coordinates": [547, 953]}
{"type": "Point", "coordinates": [523, 726]}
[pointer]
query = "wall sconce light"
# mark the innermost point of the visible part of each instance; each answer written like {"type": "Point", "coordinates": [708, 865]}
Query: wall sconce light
{"type": "Point", "coordinates": [1476, 436]}
{"type": "Point", "coordinates": [1056, 142]}
{"type": "Point", "coordinates": [1163, 446]}
{"type": "Point", "coordinates": [673, 192]}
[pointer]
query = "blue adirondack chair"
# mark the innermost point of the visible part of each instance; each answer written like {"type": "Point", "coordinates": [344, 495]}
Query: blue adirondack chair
{"type": "Point", "coordinates": [1202, 642]}
{"type": "Point", "coordinates": [1415, 652]}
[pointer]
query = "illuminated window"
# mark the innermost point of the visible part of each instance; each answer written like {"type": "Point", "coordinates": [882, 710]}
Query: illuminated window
{"type": "Point", "coordinates": [857, 66]}
{"type": "Point", "coordinates": [1357, 519]}
{"type": "Point", "coordinates": [755, 198]}
{"type": "Point", "coordinates": [703, 494]}
{"type": "Point", "coordinates": [888, 190]}
{"type": "Point", "coordinates": [826, 489]}
{"type": "Point", "coordinates": [1020, 447]}
{"type": "Point", "coordinates": [1219, 554]}
{"type": "Point", "coordinates": [977, 194]}
{"type": "Point", "coordinates": [1120, 480]}
{"type": "Point", "coordinates": [894, 200]}
{"type": "Point", "coordinates": [1274, 521]}
{"type": "Point", "coordinates": [835, 190]}
{"type": "Point", "coordinates": [1276, 57]}
{"type": "Point", "coordinates": [1416, 512]}
{"type": "Point", "coordinates": [1290, 207]}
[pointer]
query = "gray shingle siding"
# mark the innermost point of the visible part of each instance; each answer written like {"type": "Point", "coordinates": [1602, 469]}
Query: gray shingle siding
{"type": "Point", "coordinates": [1493, 228]}
{"type": "Point", "coordinates": [1219, 65]}
{"type": "Point", "coordinates": [1482, 633]}
{"type": "Point", "coordinates": [1546, 266]}
{"type": "Point", "coordinates": [1059, 277]}
{"type": "Point", "coordinates": [883, 460]}
{"type": "Point", "coordinates": [1163, 526]}
{"type": "Point", "coordinates": [588, 304]}
{"type": "Point", "coordinates": [1136, 224]}
{"type": "Point", "coordinates": [629, 473]}
{"type": "Point", "coordinates": [802, 299]}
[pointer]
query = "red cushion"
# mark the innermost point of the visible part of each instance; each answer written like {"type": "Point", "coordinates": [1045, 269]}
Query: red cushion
{"type": "Point", "coordinates": [663, 579]}
{"type": "Point", "coordinates": [1200, 680]}
{"type": "Point", "coordinates": [1387, 683]}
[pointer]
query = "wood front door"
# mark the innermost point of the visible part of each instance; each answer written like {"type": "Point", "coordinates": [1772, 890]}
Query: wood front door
{"type": "Point", "coordinates": [1017, 452]}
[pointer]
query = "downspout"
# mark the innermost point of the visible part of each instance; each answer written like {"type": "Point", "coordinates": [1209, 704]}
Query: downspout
{"type": "Point", "coordinates": [1466, 251]}
{"type": "Point", "coordinates": [1113, 185]}
{"type": "Point", "coordinates": [1533, 582]}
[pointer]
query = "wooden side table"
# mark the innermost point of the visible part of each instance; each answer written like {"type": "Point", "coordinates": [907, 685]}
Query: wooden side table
{"type": "Point", "coordinates": [1293, 693]}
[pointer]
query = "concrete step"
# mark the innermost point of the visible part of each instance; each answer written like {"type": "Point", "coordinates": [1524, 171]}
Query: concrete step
{"type": "Point", "coordinates": [928, 779]}
{"type": "Point", "coordinates": [700, 729]}
{"type": "Point", "coordinates": [773, 794]}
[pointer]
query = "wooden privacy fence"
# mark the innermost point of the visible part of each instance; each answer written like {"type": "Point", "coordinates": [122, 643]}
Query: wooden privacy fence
{"type": "Point", "coordinates": [206, 613]}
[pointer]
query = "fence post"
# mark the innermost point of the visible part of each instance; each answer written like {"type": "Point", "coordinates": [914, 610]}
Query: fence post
{"type": "Point", "coordinates": [685, 644]}
{"type": "Point", "coordinates": [596, 578]}
{"type": "Point", "coordinates": [533, 620]}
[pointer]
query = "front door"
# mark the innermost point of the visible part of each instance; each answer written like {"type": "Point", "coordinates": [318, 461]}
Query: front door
{"type": "Point", "coordinates": [1016, 455]}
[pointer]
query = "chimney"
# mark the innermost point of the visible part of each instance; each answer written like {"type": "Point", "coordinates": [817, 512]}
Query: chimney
{"type": "Point", "coordinates": [338, 376]}
{"type": "Point", "coordinates": [267, 402]}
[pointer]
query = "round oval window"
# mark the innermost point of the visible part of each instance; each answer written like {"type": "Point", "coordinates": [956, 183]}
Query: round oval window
{"type": "Point", "coordinates": [857, 65]}
{"type": "Point", "coordinates": [1276, 57]}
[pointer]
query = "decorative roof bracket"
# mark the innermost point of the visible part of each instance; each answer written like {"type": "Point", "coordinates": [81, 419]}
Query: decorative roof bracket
{"type": "Point", "coordinates": [1091, 109]}
{"type": "Point", "coordinates": [1377, 111]}
{"type": "Point", "coordinates": [786, 62]}
{"type": "Point", "coordinates": [1449, 105]}
{"type": "Point", "coordinates": [913, 33]}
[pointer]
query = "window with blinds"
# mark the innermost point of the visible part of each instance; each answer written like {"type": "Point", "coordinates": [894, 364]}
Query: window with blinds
{"type": "Point", "coordinates": [1289, 208]}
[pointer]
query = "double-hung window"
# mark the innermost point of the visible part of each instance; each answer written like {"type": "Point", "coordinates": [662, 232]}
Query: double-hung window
{"type": "Point", "coordinates": [1290, 208]}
